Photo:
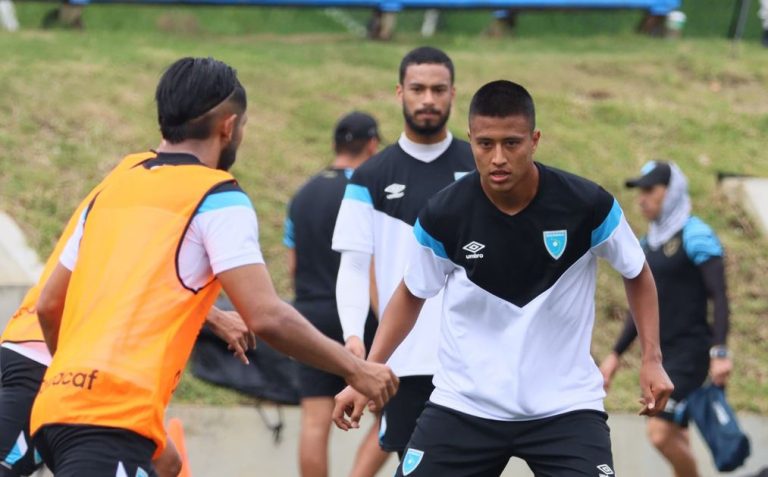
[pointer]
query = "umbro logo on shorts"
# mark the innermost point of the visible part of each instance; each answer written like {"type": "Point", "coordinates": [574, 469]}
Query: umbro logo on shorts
{"type": "Point", "coordinates": [605, 470]}
{"type": "Point", "coordinates": [395, 191]}
{"type": "Point", "coordinates": [473, 248]}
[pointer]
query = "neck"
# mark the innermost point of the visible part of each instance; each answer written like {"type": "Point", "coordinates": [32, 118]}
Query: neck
{"type": "Point", "coordinates": [205, 151]}
{"type": "Point", "coordinates": [424, 139]}
{"type": "Point", "coordinates": [345, 161]}
{"type": "Point", "coordinates": [514, 200]}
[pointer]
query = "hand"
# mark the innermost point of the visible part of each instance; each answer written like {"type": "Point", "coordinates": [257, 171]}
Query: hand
{"type": "Point", "coordinates": [608, 368]}
{"type": "Point", "coordinates": [374, 380]}
{"type": "Point", "coordinates": [230, 327]}
{"type": "Point", "coordinates": [720, 370]}
{"type": "Point", "coordinates": [355, 345]}
{"type": "Point", "coordinates": [655, 386]}
{"type": "Point", "coordinates": [349, 402]}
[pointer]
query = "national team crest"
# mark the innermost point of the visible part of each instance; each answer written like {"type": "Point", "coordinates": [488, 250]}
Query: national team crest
{"type": "Point", "coordinates": [412, 460]}
{"type": "Point", "coordinates": [555, 242]}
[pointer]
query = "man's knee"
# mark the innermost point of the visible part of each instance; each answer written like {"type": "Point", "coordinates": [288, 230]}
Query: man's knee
{"type": "Point", "coordinates": [661, 433]}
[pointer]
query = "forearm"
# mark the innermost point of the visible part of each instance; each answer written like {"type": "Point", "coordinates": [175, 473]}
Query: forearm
{"type": "Point", "coordinates": [627, 336]}
{"type": "Point", "coordinates": [398, 320]}
{"type": "Point", "coordinates": [287, 331]}
{"type": "Point", "coordinates": [353, 293]}
{"type": "Point", "coordinates": [713, 273]}
{"type": "Point", "coordinates": [644, 306]}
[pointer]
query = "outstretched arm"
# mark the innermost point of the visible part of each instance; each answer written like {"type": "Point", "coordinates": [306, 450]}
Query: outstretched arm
{"type": "Point", "coordinates": [251, 291]}
{"type": "Point", "coordinates": [399, 318]}
{"type": "Point", "coordinates": [643, 301]}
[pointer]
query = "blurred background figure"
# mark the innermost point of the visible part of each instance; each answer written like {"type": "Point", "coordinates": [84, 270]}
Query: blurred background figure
{"type": "Point", "coordinates": [763, 14]}
{"type": "Point", "coordinates": [686, 259]}
{"type": "Point", "coordinates": [313, 266]}
{"type": "Point", "coordinates": [8, 16]}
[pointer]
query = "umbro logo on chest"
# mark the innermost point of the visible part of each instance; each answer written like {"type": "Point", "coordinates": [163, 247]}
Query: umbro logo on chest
{"type": "Point", "coordinates": [473, 248]}
{"type": "Point", "coordinates": [395, 191]}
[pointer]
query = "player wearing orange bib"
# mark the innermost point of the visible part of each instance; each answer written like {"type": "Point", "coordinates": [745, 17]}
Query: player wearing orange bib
{"type": "Point", "coordinates": [148, 257]}
{"type": "Point", "coordinates": [24, 357]}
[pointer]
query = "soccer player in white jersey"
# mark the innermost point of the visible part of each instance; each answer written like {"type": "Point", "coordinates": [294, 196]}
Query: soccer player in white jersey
{"type": "Point", "coordinates": [515, 246]}
{"type": "Point", "coordinates": [376, 218]}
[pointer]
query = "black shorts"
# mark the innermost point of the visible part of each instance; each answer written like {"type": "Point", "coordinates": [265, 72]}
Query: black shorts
{"type": "Point", "coordinates": [449, 443]}
{"type": "Point", "coordinates": [400, 414]}
{"type": "Point", "coordinates": [95, 451]}
{"type": "Point", "coordinates": [21, 378]}
{"type": "Point", "coordinates": [324, 315]}
{"type": "Point", "coordinates": [688, 374]}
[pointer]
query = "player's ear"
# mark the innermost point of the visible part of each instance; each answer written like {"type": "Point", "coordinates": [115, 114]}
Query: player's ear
{"type": "Point", "coordinates": [535, 136]}
{"type": "Point", "coordinates": [227, 128]}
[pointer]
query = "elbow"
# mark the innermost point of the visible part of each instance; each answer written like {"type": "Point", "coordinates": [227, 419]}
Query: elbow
{"type": "Point", "coordinates": [47, 310]}
{"type": "Point", "coordinates": [265, 320]}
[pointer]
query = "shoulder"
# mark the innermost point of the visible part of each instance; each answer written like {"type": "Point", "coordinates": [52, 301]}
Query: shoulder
{"type": "Point", "coordinates": [577, 191]}
{"type": "Point", "coordinates": [450, 204]}
{"type": "Point", "coordinates": [224, 196]}
{"type": "Point", "coordinates": [700, 241]}
{"type": "Point", "coordinates": [379, 162]}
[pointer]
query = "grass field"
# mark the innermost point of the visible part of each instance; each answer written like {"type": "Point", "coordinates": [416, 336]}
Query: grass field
{"type": "Point", "coordinates": [72, 103]}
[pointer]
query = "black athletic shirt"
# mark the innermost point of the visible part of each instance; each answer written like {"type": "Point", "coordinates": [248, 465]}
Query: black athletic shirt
{"type": "Point", "coordinates": [309, 229]}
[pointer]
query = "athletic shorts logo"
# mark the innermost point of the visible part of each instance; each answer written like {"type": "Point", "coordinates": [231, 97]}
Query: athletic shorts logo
{"type": "Point", "coordinates": [473, 247]}
{"type": "Point", "coordinates": [121, 470]}
{"type": "Point", "coordinates": [141, 472]}
{"type": "Point", "coordinates": [555, 242]}
{"type": "Point", "coordinates": [395, 191]}
{"type": "Point", "coordinates": [605, 469]}
{"type": "Point", "coordinates": [411, 460]}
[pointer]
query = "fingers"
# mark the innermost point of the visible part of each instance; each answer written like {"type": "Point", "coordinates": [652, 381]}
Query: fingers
{"type": "Point", "coordinates": [251, 340]}
{"type": "Point", "coordinates": [239, 352]}
{"type": "Point", "coordinates": [338, 415]}
{"type": "Point", "coordinates": [357, 413]}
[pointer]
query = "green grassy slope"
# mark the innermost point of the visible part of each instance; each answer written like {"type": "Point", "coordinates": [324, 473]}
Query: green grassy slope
{"type": "Point", "coordinates": [73, 103]}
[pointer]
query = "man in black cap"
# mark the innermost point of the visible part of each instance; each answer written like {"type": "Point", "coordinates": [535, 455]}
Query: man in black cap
{"type": "Point", "coordinates": [686, 259]}
{"type": "Point", "coordinates": [314, 266]}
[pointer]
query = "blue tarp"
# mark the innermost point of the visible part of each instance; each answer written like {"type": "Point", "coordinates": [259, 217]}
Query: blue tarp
{"type": "Point", "coordinates": [655, 7]}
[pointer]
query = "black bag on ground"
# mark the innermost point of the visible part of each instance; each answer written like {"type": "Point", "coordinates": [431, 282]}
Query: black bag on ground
{"type": "Point", "coordinates": [271, 376]}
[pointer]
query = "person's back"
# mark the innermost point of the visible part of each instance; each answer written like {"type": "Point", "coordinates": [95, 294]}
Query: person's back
{"type": "Point", "coordinates": [314, 265]}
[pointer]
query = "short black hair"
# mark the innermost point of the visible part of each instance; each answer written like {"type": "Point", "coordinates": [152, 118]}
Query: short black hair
{"type": "Point", "coordinates": [501, 99]}
{"type": "Point", "coordinates": [425, 55]}
{"type": "Point", "coordinates": [188, 89]}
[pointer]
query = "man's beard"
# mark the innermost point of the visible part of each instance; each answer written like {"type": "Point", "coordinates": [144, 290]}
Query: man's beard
{"type": "Point", "coordinates": [427, 129]}
{"type": "Point", "coordinates": [227, 157]}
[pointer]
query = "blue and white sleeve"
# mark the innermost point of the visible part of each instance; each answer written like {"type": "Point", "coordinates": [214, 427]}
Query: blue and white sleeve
{"type": "Point", "coordinates": [428, 264]}
{"type": "Point", "coordinates": [615, 241]}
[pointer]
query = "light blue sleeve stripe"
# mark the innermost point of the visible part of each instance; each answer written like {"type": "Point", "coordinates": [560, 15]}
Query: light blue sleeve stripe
{"type": "Point", "coordinates": [601, 234]}
{"type": "Point", "coordinates": [288, 237]}
{"type": "Point", "coordinates": [700, 241]}
{"type": "Point", "coordinates": [358, 192]}
{"type": "Point", "coordinates": [221, 200]}
{"type": "Point", "coordinates": [428, 241]}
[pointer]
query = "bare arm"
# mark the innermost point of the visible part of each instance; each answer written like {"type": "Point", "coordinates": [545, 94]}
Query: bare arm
{"type": "Point", "coordinates": [292, 266]}
{"type": "Point", "coordinates": [251, 291]}
{"type": "Point", "coordinates": [644, 306]}
{"type": "Point", "coordinates": [50, 305]}
{"type": "Point", "coordinates": [399, 318]}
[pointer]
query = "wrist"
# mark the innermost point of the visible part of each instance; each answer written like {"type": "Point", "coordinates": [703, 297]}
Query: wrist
{"type": "Point", "coordinates": [652, 356]}
{"type": "Point", "coordinates": [719, 352]}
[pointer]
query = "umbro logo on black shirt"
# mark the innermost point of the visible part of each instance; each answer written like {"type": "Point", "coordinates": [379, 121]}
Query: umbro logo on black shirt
{"type": "Point", "coordinates": [473, 248]}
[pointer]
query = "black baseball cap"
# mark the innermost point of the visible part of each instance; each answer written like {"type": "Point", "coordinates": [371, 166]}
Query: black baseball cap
{"type": "Point", "coordinates": [355, 125]}
{"type": "Point", "coordinates": [654, 173]}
